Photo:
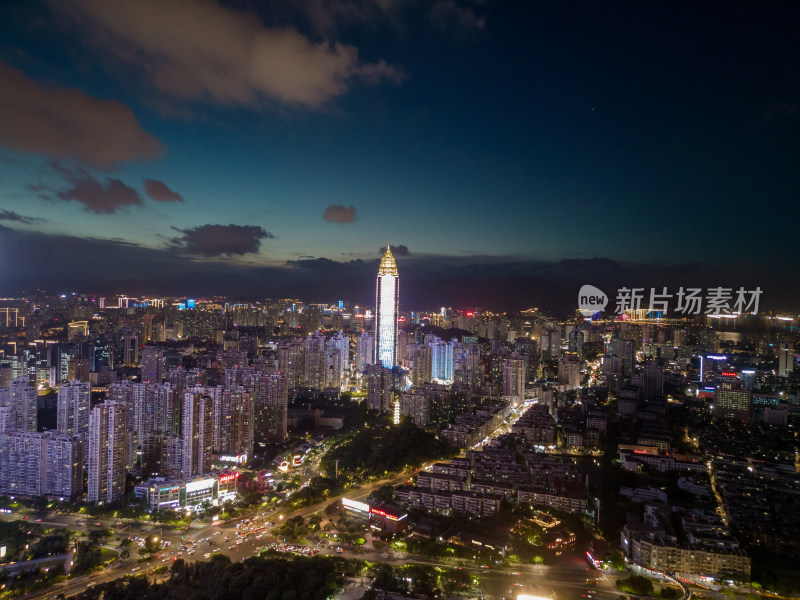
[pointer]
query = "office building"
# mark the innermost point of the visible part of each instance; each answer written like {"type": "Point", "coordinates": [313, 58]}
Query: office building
{"type": "Point", "coordinates": [731, 401]}
{"type": "Point", "coordinates": [78, 369]}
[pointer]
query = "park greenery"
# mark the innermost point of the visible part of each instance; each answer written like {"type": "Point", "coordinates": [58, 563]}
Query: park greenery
{"type": "Point", "coordinates": [636, 584]}
{"type": "Point", "coordinates": [318, 489]}
{"type": "Point", "coordinates": [29, 582]}
{"type": "Point", "coordinates": [280, 578]}
{"type": "Point", "coordinates": [271, 578]}
{"type": "Point", "coordinates": [378, 451]}
{"type": "Point", "coordinates": [26, 541]}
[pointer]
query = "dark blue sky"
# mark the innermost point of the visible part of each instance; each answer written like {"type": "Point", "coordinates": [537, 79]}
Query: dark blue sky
{"type": "Point", "coordinates": [486, 137]}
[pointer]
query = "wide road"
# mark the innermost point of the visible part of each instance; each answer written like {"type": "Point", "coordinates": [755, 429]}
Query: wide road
{"type": "Point", "coordinates": [178, 538]}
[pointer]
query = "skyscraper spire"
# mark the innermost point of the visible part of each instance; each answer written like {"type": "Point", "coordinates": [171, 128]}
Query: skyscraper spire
{"type": "Point", "coordinates": [388, 265]}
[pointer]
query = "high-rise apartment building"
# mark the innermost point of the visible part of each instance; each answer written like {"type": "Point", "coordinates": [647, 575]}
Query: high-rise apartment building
{"type": "Point", "coordinates": [152, 364]}
{"type": "Point", "coordinates": [23, 463]}
{"type": "Point", "coordinates": [233, 422]}
{"type": "Point", "coordinates": [380, 387]}
{"type": "Point", "coordinates": [108, 451]}
{"type": "Point", "coordinates": [41, 463]}
{"type": "Point", "coordinates": [338, 347]}
{"type": "Point", "coordinates": [20, 396]}
{"type": "Point", "coordinates": [365, 351]}
{"type": "Point", "coordinates": [74, 403]}
{"type": "Point", "coordinates": [198, 432]}
{"type": "Point", "coordinates": [421, 362]}
{"type": "Point", "coordinates": [291, 361]}
{"type": "Point", "coordinates": [514, 378]}
{"type": "Point", "coordinates": [273, 408]}
{"type": "Point", "coordinates": [569, 370]}
{"type": "Point", "coordinates": [64, 465]}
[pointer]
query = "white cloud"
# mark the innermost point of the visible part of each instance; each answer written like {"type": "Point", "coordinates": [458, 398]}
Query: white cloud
{"type": "Point", "coordinates": [198, 50]}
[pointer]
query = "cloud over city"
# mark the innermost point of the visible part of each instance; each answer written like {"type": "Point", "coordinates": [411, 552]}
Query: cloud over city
{"type": "Point", "coordinates": [223, 56]}
{"type": "Point", "coordinates": [220, 240]}
{"type": "Point", "coordinates": [96, 196]}
{"type": "Point", "coordinates": [158, 191]}
{"type": "Point", "coordinates": [10, 215]}
{"type": "Point", "coordinates": [65, 123]}
{"type": "Point", "coordinates": [336, 213]}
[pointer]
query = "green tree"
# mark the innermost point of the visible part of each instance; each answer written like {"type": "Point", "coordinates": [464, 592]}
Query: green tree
{"type": "Point", "coordinates": [636, 584]}
{"type": "Point", "coordinates": [617, 561]}
{"type": "Point", "coordinates": [125, 548]}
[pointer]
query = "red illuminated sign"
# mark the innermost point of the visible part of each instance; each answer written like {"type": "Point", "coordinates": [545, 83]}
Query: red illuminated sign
{"type": "Point", "coordinates": [470, 313]}
{"type": "Point", "coordinates": [728, 374]}
{"type": "Point", "coordinates": [227, 478]}
{"type": "Point", "coordinates": [384, 514]}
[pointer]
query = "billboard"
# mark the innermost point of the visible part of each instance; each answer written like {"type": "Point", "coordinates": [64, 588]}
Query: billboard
{"type": "Point", "coordinates": [234, 458]}
{"type": "Point", "coordinates": [200, 484]}
{"type": "Point", "coordinates": [355, 505]}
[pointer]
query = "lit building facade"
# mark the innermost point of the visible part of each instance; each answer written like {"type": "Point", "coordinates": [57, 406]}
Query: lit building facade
{"type": "Point", "coordinates": [386, 308]}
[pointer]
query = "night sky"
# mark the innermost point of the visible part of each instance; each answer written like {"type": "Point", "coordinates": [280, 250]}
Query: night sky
{"type": "Point", "coordinates": [511, 151]}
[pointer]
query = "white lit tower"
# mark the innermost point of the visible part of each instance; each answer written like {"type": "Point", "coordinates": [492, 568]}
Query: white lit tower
{"type": "Point", "coordinates": [386, 309]}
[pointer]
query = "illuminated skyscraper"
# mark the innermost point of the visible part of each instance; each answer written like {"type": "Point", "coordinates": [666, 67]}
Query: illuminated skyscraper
{"type": "Point", "coordinates": [386, 308]}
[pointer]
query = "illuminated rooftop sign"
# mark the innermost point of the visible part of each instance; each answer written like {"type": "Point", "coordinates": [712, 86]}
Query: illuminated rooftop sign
{"type": "Point", "coordinates": [234, 458]}
{"type": "Point", "coordinates": [391, 517]}
{"type": "Point", "coordinates": [200, 484]}
{"type": "Point", "coordinates": [355, 505]}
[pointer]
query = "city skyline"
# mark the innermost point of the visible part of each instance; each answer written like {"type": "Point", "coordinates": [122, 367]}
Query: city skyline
{"type": "Point", "coordinates": [213, 384]}
{"type": "Point", "coordinates": [531, 145]}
